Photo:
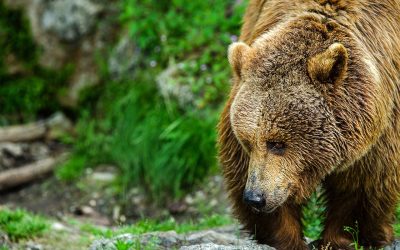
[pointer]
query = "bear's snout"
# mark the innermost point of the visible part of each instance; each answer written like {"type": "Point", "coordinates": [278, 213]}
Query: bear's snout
{"type": "Point", "coordinates": [254, 198]}
{"type": "Point", "coordinates": [264, 202]}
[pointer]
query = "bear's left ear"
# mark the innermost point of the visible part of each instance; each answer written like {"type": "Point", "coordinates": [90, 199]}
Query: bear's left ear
{"type": "Point", "coordinates": [330, 66]}
{"type": "Point", "coordinates": [236, 55]}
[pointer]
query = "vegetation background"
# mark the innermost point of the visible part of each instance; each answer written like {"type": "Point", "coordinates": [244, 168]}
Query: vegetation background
{"type": "Point", "coordinates": [161, 77]}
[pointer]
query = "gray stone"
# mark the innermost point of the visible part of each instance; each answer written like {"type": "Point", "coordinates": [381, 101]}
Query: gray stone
{"type": "Point", "coordinates": [395, 246]}
{"type": "Point", "coordinates": [70, 20]}
{"type": "Point", "coordinates": [13, 149]}
{"type": "Point", "coordinates": [59, 122]}
{"type": "Point", "coordinates": [123, 59]}
{"type": "Point", "coordinates": [211, 246]}
{"type": "Point", "coordinates": [70, 32]}
{"type": "Point", "coordinates": [162, 240]}
{"type": "Point", "coordinates": [211, 236]}
{"type": "Point", "coordinates": [172, 86]}
{"type": "Point", "coordinates": [223, 238]}
{"type": "Point", "coordinates": [33, 246]}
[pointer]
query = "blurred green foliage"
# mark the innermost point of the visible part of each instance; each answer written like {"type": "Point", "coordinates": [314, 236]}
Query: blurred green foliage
{"type": "Point", "coordinates": [194, 33]}
{"type": "Point", "coordinates": [24, 96]}
{"type": "Point", "coordinates": [164, 147]}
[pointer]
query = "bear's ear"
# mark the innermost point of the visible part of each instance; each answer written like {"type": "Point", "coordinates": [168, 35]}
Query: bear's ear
{"type": "Point", "coordinates": [236, 55]}
{"type": "Point", "coordinates": [330, 66]}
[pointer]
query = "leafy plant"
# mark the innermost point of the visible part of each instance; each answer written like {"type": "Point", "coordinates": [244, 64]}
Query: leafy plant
{"type": "Point", "coordinates": [20, 224]}
{"type": "Point", "coordinates": [354, 233]}
{"type": "Point", "coordinates": [313, 215]}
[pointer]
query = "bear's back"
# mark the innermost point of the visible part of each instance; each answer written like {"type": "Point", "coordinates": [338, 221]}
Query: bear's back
{"type": "Point", "coordinates": [375, 25]}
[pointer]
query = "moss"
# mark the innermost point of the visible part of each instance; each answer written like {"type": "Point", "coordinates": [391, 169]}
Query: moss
{"type": "Point", "coordinates": [33, 92]}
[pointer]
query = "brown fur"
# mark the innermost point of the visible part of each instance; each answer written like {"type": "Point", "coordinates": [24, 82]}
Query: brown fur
{"type": "Point", "coordinates": [323, 77]}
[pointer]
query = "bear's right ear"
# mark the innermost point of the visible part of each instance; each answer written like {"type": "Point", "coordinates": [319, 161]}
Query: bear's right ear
{"type": "Point", "coordinates": [236, 55]}
{"type": "Point", "coordinates": [330, 66]}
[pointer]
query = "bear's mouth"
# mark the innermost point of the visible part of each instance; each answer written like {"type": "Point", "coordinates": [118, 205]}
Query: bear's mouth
{"type": "Point", "coordinates": [269, 209]}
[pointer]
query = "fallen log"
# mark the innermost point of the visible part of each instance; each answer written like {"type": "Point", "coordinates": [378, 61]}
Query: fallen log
{"type": "Point", "coordinates": [26, 132]}
{"type": "Point", "coordinates": [49, 128]}
{"type": "Point", "coordinates": [25, 174]}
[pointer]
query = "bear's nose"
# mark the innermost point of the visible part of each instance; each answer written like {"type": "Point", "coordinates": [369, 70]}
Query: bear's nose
{"type": "Point", "coordinates": [254, 198]}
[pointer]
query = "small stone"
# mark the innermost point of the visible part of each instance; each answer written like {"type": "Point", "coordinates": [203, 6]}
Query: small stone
{"type": "Point", "coordinates": [213, 203]}
{"type": "Point", "coordinates": [200, 196]}
{"type": "Point", "coordinates": [211, 246]}
{"type": "Point", "coordinates": [70, 20]}
{"type": "Point", "coordinates": [122, 218]}
{"type": "Point", "coordinates": [58, 227]}
{"type": "Point", "coordinates": [103, 177]}
{"type": "Point", "coordinates": [14, 149]}
{"type": "Point", "coordinates": [137, 199]}
{"type": "Point", "coordinates": [116, 212]}
{"type": "Point", "coordinates": [58, 125]}
{"type": "Point", "coordinates": [189, 200]}
{"type": "Point", "coordinates": [84, 210]}
{"type": "Point", "coordinates": [33, 246]}
{"type": "Point", "coordinates": [177, 207]}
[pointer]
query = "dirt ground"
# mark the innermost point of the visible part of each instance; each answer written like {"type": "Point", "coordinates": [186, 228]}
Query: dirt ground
{"type": "Point", "coordinates": [95, 199]}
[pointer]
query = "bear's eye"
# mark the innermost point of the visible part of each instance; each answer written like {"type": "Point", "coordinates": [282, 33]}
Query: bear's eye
{"type": "Point", "coordinates": [276, 147]}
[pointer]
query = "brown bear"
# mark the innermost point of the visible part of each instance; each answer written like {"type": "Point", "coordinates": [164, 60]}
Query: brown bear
{"type": "Point", "coordinates": [315, 100]}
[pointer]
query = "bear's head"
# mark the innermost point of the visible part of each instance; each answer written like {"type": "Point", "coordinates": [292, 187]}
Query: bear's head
{"type": "Point", "coordinates": [288, 113]}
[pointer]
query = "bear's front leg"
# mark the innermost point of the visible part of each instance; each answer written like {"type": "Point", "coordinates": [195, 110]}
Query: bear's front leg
{"type": "Point", "coordinates": [372, 209]}
{"type": "Point", "coordinates": [280, 229]}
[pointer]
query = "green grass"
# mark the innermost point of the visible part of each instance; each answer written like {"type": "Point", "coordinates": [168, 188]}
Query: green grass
{"type": "Point", "coordinates": [19, 224]}
{"type": "Point", "coordinates": [189, 32]}
{"type": "Point", "coordinates": [354, 231]}
{"type": "Point", "coordinates": [147, 225]}
{"type": "Point", "coordinates": [159, 145]}
{"type": "Point", "coordinates": [156, 145]}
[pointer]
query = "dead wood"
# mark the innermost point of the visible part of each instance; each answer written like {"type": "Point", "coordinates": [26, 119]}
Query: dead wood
{"type": "Point", "coordinates": [26, 132]}
{"type": "Point", "coordinates": [25, 174]}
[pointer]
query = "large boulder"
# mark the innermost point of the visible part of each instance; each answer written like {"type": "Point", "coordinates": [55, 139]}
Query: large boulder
{"type": "Point", "coordinates": [222, 238]}
{"type": "Point", "coordinates": [71, 32]}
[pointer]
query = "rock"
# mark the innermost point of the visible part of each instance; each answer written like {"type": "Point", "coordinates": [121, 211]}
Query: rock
{"type": "Point", "coordinates": [4, 240]}
{"type": "Point", "coordinates": [395, 246]}
{"type": "Point", "coordinates": [70, 32]}
{"type": "Point", "coordinates": [39, 150]}
{"type": "Point", "coordinates": [70, 20]}
{"type": "Point", "coordinates": [177, 207]}
{"type": "Point", "coordinates": [13, 154]}
{"type": "Point", "coordinates": [33, 246]}
{"type": "Point", "coordinates": [12, 149]}
{"type": "Point", "coordinates": [211, 246]}
{"type": "Point", "coordinates": [57, 226]}
{"type": "Point", "coordinates": [224, 238]}
{"type": "Point", "coordinates": [164, 240]}
{"type": "Point", "coordinates": [123, 59]}
{"type": "Point", "coordinates": [212, 236]}
{"type": "Point", "coordinates": [172, 86]}
{"type": "Point", "coordinates": [58, 125]}
{"type": "Point", "coordinates": [102, 177]}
